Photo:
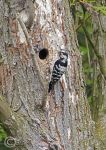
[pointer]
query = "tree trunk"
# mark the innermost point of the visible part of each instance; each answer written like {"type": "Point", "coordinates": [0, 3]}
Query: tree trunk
{"type": "Point", "coordinates": [65, 122]}
{"type": "Point", "coordinates": [99, 99]}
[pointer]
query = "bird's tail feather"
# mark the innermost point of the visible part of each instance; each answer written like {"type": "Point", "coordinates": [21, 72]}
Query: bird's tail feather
{"type": "Point", "coordinates": [50, 86]}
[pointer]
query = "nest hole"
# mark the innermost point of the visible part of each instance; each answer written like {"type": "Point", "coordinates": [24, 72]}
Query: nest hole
{"type": "Point", "coordinates": [43, 53]}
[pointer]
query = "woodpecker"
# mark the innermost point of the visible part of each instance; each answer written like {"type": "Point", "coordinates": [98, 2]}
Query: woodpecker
{"type": "Point", "coordinates": [59, 69]}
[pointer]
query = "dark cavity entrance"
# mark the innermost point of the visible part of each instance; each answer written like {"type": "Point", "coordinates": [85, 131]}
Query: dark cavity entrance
{"type": "Point", "coordinates": [43, 53]}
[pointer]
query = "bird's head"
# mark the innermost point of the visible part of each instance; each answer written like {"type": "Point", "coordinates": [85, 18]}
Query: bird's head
{"type": "Point", "coordinates": [63, 55]}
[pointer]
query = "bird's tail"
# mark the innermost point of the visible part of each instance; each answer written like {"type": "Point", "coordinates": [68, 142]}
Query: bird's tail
{"type": "Point", "coordinates": [50, 86]}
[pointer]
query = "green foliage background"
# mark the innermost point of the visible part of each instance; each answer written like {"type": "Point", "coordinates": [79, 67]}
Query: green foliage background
{"type": "Point", "coordinates": [84, 29]}
{"type": "Point", "coordinates": [3, 135]}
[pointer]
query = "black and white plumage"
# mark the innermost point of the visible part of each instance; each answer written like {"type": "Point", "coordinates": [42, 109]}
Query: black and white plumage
{"type": "Point", "coordinates": [59, 69]}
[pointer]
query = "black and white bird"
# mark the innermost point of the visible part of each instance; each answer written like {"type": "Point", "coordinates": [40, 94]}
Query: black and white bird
{"type": "Point", "coordinates": [59, 69]}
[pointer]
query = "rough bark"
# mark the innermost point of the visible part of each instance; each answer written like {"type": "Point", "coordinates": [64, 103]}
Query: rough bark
{"type": "Point", "coordinates": [66, 123]}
